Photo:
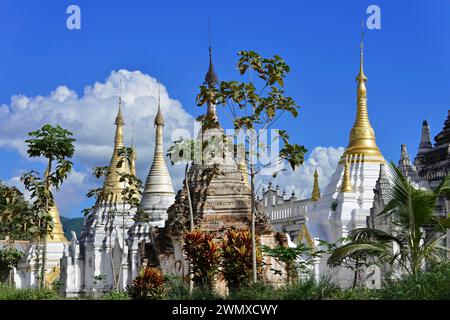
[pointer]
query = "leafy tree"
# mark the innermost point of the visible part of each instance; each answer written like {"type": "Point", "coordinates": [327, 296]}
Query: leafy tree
{"type": "Point", "coordinates": [9, 257]}
{"type": "Point", "coordinates": [294, 259]}
{"type": "Point", "coordinates": [15, 215]}
{"type": "Point", "coordinates": [253, 108]}
{"type": "Point", "coordinates": [56, 146]}
{"type": "Point", "coordinates": [411, 211]}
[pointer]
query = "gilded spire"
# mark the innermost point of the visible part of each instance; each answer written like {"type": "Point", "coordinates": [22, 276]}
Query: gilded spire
{"type": "Point", "coordinates": [362, 136]}
{"type": "Point", "coordinates": [346, 181]}
{"type": "Point", "coordinates": [316, 190]}
{"type": "Point", "coordinates": [112, 187]}
{"type": "Point", "coordinates": [57, 234]}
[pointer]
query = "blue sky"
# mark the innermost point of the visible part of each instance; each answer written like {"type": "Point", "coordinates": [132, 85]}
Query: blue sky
{"type": "Point", "coordinates": [406, 61]}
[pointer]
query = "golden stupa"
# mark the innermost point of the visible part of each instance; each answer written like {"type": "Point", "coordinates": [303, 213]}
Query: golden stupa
{"type": "Point", "coordinates": [362, 145]}
{"type": "Point", "coordinates": [57, 234]}
{"type": "Point", "coordinates": [113, 187]}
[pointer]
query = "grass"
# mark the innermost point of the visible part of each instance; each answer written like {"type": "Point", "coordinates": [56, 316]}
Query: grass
{"type": "Point", "coordinates": [8, 293]}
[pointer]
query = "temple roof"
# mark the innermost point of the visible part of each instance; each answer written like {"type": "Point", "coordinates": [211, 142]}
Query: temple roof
{"type": "Point", "coordinates": [444, 136]}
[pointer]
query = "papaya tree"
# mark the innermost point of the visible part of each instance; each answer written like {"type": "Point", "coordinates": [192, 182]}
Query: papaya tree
{"type": "Point", "coordinates": [57, 147]}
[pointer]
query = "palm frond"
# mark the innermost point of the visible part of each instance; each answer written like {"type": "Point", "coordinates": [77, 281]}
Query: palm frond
{"type": "Point", "coordinates": [362, 235]}
{"type": "Point", "coordinates": [398, 195]}
{"type": "Point", "coordinates": [433, 251]}
{"type": "Point", "coordinates": [348, 249]}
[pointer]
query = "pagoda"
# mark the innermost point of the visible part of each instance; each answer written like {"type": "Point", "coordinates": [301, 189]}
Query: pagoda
{"type": "Point", "coordinates": [97, 262]}
{"type": "Point", "coordinates": [347, 199]}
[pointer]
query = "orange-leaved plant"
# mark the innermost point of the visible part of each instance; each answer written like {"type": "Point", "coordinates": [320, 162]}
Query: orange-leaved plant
{"type": "Point", "coordinates": [237, 258]}
{"type": "Point", "coordinates": [203, 253]}
{"type": "Point", "coordinates": [148, 285]}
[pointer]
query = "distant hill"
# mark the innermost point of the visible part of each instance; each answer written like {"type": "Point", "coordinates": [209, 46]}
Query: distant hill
{"type": "Point", "coordinates": [69, 225]}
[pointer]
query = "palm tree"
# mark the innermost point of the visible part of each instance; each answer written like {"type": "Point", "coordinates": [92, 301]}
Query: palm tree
{"type": "Point", "coordinates": [415, 228]}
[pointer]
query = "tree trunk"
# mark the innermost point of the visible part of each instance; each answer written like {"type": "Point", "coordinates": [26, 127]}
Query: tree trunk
{"type": "Point", "coordinates": [355, 277]}
{"type": "Point", "coordinates": [191, 221]}
{"type": "Point", "coordinates": [44, 262]}
{"type": "Point", "coordinates": [47, 209]}
{"type": "Point", "coordinates": [191, 211]}
{"type": "Point", "coordinates": [253, 229]}
{"type": "Point", "coordinates": [37, 266]}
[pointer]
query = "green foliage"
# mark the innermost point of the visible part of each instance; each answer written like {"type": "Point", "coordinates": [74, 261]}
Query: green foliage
{"type": "Point", "coordinates": [113, 295]}
{"type": "Point", "coordinates": [9, 293]}
{"type": "Point", "coordinates": [176, 289]}
{"type": "Point", "coordinates": [290, 257]}
{"type": "Point", "coordinates": [253, 107]}
{"type": "Point", "coordinates": [236, 252]}
{"type": "Point", "coordinates": [148, 285]}
{"type": "Point", "coordinates": [431, 285]}
{"type": "Point", "coordinates": [203, 253]}
{"type": "Point", "coordinates": [300, 290]}
{"type": "Point", "coordinates": [132, 191]}
{"type": "Point", "coordinates": [51, 142]}
{"type": "Point", "coordinates": [9, 257]}
{"type": "Point", "coordinates": [15, 215]}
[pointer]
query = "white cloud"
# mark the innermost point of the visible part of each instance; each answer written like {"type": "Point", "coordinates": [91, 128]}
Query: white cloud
{"type": "Point", "coordinates": [325, 159]}
{"type": "Point", "coordinates": [91, 118]}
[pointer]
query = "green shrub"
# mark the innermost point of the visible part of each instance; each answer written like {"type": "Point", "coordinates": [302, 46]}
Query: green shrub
{"type": "Point", "coordinates": [309, 290]}
{"type": "Point", "coordinates": [9, 293]}
{"type": "Point", "coordinates": [300, 290]}
{"type": "Point", "coordinates": [431, 285]}
{"type": "Point", "coordinates": [176, 289]}
{"type": "Point", "coordinates": [115, 296]}
{"type": "Point", "coordinates": [257, 291]}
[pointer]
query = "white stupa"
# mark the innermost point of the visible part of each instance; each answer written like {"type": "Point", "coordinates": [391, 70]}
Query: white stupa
{"type": "Point", "coordinates": [347, 199]}
{"type": "Point", "coordinates": [158, 193]}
